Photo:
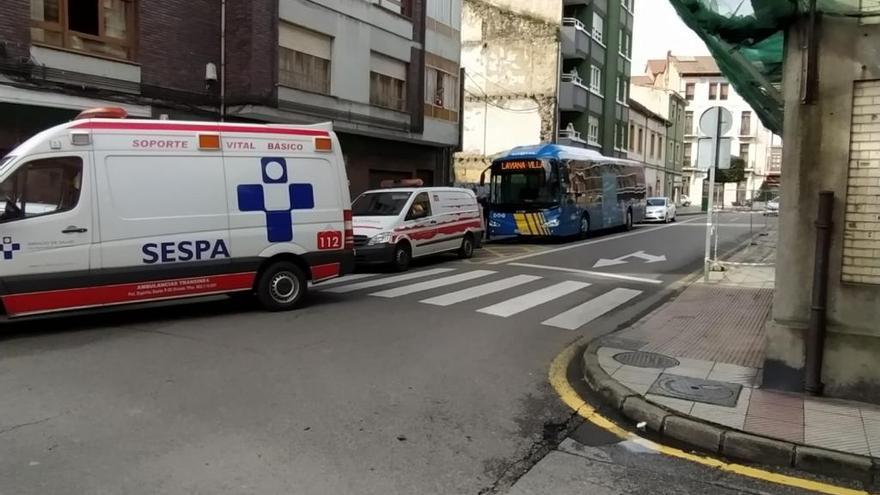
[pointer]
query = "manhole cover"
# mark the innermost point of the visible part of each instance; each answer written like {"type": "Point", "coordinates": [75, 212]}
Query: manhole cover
{"type": "Point", "coordinates": [641, 359]}
{"type": "Point", "coordinates": [696, 389]}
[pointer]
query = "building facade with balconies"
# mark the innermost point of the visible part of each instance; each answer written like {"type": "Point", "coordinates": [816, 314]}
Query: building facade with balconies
{"type": "Point", "coordinates": [385, 72]}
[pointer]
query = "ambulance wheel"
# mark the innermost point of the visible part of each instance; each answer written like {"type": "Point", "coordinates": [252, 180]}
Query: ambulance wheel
{"type": "Point", "coordinates": [402, 257]}
{"type": "Point", "coordinates": [281, 286]}
{"type": "Point", "coordinates": [466, 251]}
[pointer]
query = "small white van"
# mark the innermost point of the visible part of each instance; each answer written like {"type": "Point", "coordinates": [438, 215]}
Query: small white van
{"type": "Point", "coordinates": [394, 225]}
{"type": "Point", "coordinates": [105, 210]}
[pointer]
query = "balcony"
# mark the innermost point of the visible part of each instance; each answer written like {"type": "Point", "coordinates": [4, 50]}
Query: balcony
{"type": "Point", "coordinates": [571, 137]}
{"type": "Point", "coordinates": [575, 39]}
{"type": "Point", "coordinates": [572, 93]}
{"type": "Point", "coordinates": [566, 3]}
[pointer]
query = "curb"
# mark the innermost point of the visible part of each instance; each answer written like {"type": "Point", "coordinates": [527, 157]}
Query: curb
{"type": "Point", "coordinates": [723, 440]}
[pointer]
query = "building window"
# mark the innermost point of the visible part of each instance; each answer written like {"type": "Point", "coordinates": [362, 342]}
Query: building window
{"type": "Point", "coordinates": [620, 136]}
{"type": "Point", "coordinates": [598, 27]}
{"type": "Point", "coordinates": [441, 94]}
{"type": "Point", "coordinates": [744, 153]}
{"type": "Point", "coordinates": [689, 123]}
{"type": "Point", "coordinates": [725, 90]}
{"type": "Point", "coordinates": [387, 82]}
{"type": "Point", "coordinates": [596, 79]}
{"type": "Point", "coordinates": [713, 91]}
{"type": "Point", "coordinates": [745, 124]}
{"type": "Point", "coordinates": [99, 27]}
{"type": "Point", "coordinates": [641, 140]}
{"type": "Point", "coordinates": [303, 59]}
{"type": "Point", "coordinates": [624, 49]}
{"type": "Point", "coordinates": [689, 89]}
{"type": "Point", "coordinates": [593, 130]}
{"type": "Point", "coordinates": [651, 149]}
{"type": "Point", "coordinates": [632, 135]}
{"type": "Point", "coordinates": [627, 4]}
{"type": "Point", "coordinates": [687, 154]}
{"type": "Point", "coordinates": [622, 87]}
{"type": "Point", "coordinates": [660, 147]}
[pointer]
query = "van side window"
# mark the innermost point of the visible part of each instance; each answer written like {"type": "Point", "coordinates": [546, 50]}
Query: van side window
{"type": "Point", "coordinates": [42, 187]}
{"type": "Point", "coordinates": [420, 208]}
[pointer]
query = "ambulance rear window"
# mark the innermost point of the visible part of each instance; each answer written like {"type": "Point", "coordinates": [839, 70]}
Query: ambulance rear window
{"type": "Point", "coordinates": [380, 204]}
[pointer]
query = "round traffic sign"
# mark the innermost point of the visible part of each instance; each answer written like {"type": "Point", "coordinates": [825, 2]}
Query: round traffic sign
{"type": "Point", "coordinates": [709, 121]}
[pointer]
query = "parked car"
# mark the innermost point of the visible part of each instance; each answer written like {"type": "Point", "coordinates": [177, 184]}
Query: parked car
{"type": "Point", "coordinates": [685, 201]}
{"type": "Point", "coordinates": [771, 209]}
{"type": "Point", "coordinates": [660, 210]}
{"type": "Point", "coordinates": [396, 224]}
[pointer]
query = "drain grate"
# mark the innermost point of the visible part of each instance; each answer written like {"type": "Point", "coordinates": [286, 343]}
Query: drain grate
{"type": "Point", "coordinates": [641, 359]}
{"type": "Point", "coordinates": [696, 389]}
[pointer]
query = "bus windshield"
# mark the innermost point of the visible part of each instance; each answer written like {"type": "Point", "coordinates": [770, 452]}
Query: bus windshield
{"type": "Point", "coordinates": [525, 187]}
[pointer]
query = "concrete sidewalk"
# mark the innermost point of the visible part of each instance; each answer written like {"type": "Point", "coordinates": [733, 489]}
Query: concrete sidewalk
{"type": "Point", "coordinates": [699, 357]}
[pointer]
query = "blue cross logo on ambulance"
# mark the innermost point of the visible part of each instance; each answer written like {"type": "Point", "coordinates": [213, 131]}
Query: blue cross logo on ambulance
{"type": "Point", "coordinates": [252, 197]}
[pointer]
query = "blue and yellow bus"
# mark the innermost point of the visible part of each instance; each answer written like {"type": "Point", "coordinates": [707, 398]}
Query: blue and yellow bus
{"type": "Point", "coordinates": [553, 190]}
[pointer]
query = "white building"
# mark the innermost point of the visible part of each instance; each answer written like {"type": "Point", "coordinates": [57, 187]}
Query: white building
{"type": "Point", "coordinates": [647, 144]}
{"type": "Point", "coordinates": [701, 82]}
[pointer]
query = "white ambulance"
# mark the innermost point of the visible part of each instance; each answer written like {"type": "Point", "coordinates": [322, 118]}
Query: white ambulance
{"type": "Point", "coordinates": [399, 223]}
{"type": "Point", "coordinates": [104, 210]}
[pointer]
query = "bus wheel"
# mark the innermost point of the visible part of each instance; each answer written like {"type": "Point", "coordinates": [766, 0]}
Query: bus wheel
{"type": "Point", "coordinates": [466, 251]}
{"type": "Point", "coordinates": [402, 257]}
{"type": "Point", "coordinates": [585, 227]}
{"type": "Point", "coordinates": [629, 219]}
{"type": "Point", "coordinates": [281, 286]}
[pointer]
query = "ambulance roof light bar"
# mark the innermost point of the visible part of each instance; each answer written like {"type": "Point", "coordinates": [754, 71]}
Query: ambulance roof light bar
{"type": "Point", "coordinates": [401, 183]}
{"type": "Point", "coordinates": [103, 113]}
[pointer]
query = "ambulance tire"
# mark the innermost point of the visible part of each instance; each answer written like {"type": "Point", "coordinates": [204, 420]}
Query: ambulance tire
{"type": "Point", "coordinates": [466, 251]}
{"type": "Point", "coordinates": [402, 257]}
{"type": "Point", "coordinates": [281, 286]}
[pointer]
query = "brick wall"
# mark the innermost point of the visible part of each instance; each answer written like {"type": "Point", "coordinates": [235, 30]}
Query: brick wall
{"type": "Point", "coordinates": [861, 251]}
{"type": "Point", "coordinates": [251, 47]}
{"type": "Point", "coordinates": [15, 36]}
{"type": "Point", "coordinates": [177, 39]}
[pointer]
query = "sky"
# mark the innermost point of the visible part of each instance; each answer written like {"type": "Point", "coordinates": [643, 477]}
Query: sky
{"type": "Point", "coordinates": [658, 29]}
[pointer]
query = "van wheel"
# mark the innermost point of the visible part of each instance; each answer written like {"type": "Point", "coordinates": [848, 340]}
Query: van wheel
{"type": "Point", "coordinates": [629, 219]}
{"type": "Point", "coordinates": [584, 230]}
{"type": "Point", "coordinates": [281, 286]}
{"type": "Point", "coordinates": [402, 258]}
{"type": "Point", "coordinates": [466, 251]}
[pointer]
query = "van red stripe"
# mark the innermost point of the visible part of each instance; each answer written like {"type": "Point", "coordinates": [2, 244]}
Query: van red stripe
{"type": "Point", "coordinates": [123, 125]}
{"type": "Point", "coordinates": [84, 297]}
{"type": "Point", "coordinates": [323, 272]}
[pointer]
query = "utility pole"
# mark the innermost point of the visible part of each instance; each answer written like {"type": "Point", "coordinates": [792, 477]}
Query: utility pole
{"type": "Point", "coordinates": [710, 225]}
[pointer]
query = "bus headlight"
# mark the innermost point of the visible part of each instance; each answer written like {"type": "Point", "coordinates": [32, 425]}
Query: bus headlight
{"type": "Point", "coordinates": [383, 238]}
{"type": "Point", "coordinates": [552, 223]}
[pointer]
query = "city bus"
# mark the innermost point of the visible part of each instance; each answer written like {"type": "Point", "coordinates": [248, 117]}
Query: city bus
{"type": "Point", "coordinates": [550, 190]}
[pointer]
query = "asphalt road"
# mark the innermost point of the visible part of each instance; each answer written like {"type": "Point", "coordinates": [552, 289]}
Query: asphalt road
{"type": "Point", "coordinates": [380, 385]}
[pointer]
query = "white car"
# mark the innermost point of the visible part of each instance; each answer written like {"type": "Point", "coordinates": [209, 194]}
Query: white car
{"type": "Point", "coordinates": [772, 208]}
{"type": "Point", "coordinates": [685, 201]}
{"type": "Point", "coordinates": [660, 210]}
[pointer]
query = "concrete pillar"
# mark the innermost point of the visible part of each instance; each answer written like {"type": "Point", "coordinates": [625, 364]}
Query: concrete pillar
{"type": "Point", "coordinates": [818, 156]}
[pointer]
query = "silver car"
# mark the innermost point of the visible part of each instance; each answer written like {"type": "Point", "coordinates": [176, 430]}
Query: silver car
{"type": "Point", "coordinates": [660, 210]}
{"type": "Point", "coordinates": [771, 209]}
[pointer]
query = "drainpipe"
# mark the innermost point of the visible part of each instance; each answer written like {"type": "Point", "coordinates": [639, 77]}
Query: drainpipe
{"type": "Point", "coordinates": [222, 60]}
{"type": "Point", "coordinates": [556, 115]}
{"type": "Point", "coordinates": [816, 330]}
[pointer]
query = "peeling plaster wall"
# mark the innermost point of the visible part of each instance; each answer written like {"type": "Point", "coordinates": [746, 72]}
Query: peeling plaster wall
{"type": "Point", "coordinates": [509, 52]}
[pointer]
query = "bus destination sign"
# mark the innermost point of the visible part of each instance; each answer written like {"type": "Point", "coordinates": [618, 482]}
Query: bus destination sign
{"type": "Point", "coordinates": [522, 165]}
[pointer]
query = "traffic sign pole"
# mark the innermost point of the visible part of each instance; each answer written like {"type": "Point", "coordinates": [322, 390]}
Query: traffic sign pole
{"type": "Point", "coordinates": [711, 206]}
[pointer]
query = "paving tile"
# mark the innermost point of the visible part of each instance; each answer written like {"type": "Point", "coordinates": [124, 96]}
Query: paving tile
{"type": "Point", "coordinates": [680, 405]}
{"type": "Point", "coordinates": [744, 379]}
{"type": "Point", "coordinates": [688, 371]}
{"type": "Point", "coordinates": [776, 398]}
{"type": "Point", "coordinates": [609, 368]}
{"type": "Point", "coordinates": [835, 407]}
{"type": "Point", "coordinates": [735, 369]}
{"type": "Point", "coordinates": [872, 432]}
{"type": "Point", "coordinates": [793, 432]}
{"type": "Point", "coordinates": [730, 418]}
{"type": "Point", "coordinates": [636, 375]}
{"type": "Point", "coordinates": [639, 388]}
{"type": "Point", "coordinates": [776, 412]}
{"type": "Point", "coordinates": [835, 431]}
{"type": "Point", "coordinates": [609, 351]}
{"type": "Point", "coordinates": [695, 363]}
{"type": "Point", "coordinates": [870, 413]}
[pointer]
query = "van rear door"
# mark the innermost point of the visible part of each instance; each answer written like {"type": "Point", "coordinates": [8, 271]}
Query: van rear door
{"type": "Point", "coordinates": [46, 230]}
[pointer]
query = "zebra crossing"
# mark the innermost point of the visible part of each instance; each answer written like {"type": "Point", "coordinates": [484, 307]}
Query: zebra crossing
{"type": "Point", "coordinates": [460, 286]}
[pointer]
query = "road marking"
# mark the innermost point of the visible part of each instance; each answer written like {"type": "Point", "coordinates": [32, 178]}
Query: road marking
{"type": "Point", "coordinates": [617, 276]}
{"type": "Point", "coordinates": [480, 290]}
{"type": "Point", "coordinates": [592, 309]}
{"type": "Point", "coordinates": [519, 304]}
{"type": "Point", "coordinates": [347, 278]}
{"type": "Point", "coordinates": [558, 379]}
{"type": "Point", "coordinates": [587, 243]}
{"type": "Point", "coordinates": [621, 260]}
{"type": "Point", "coordinates": [387, 280]}
{"type": "Point", "coordinates": [433, 284]}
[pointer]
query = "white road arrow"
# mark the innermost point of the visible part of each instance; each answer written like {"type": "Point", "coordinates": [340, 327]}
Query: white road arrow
{"type": "Point", "coordinates": [648, 258]}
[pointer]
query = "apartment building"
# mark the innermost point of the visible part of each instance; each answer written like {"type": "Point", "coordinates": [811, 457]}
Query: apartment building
{"type": "Point", "coordinates": [544, 71]}
{"type": "Point", "coordinates": [385, 72]}
{"type": "Point", "coordinates": [703, 87]}
{"type": "Point", "coordinates": [647, 144]}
